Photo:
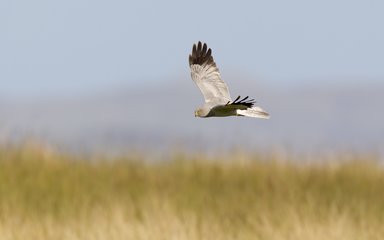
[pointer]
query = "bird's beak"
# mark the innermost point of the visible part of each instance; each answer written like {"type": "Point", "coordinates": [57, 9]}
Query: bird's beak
{"type": "Point", "coordinates": [195, 113]}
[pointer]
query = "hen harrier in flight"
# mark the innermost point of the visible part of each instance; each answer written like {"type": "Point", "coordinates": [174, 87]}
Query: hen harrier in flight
{"type": "Point", "coordinates": [218, 103]}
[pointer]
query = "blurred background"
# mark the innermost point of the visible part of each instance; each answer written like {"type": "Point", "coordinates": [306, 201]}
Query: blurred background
{"type": "Point", "coordinates": [112, 76]}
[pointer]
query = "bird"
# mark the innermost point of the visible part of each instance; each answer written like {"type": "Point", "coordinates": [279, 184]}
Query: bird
{"type": "Point", "coordinates": [218, 102]}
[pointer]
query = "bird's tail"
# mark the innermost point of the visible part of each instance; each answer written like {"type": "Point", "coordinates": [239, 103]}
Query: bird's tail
{"type": "Point", "coordinates": [255, 112]}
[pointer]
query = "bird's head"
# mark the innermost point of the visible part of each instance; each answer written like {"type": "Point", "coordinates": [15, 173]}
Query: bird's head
{"type": "Point", "coordinates": [200, 112]}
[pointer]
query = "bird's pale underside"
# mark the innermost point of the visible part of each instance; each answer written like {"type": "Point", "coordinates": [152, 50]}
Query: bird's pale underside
{"type": "Point", "coordinates": [218, 102]}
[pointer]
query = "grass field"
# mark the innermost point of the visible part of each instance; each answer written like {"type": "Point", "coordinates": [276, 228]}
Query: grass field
{"type": "Point", "coordinates": [44, 195]}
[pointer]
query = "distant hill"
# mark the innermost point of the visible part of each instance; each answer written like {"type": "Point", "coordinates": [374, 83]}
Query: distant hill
{"type": "Point", "coordinates": [307, 118]}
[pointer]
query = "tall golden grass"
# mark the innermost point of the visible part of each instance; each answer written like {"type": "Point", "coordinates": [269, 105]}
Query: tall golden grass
{"type": "Point", "coordinates": [45, 195]}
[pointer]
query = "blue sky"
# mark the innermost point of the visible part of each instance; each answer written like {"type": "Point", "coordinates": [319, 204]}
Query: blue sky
{"type": "Point", "coordinates": [73, 46]}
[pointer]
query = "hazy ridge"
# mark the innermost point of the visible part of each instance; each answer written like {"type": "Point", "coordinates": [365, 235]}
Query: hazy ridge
{"type": "Point", "coordinates": [309, 117]}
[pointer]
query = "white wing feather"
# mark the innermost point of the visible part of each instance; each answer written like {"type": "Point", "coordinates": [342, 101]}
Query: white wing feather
{"type": "Point", "coordinates": [207, 77]}
{"type": "Point", "coordinates": [256, 112]}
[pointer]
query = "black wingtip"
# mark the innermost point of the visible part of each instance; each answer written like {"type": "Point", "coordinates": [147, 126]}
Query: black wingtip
{"type": "Point", "coordinates": [201, 54]}
{"type": "Point", "coordinates": [244, 99]}
{"type": "Point", "coordinates": [244, 102]}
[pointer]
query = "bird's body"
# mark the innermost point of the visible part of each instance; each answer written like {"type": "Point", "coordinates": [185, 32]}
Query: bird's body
{"type": "Point", "coordinates": [218, 102]}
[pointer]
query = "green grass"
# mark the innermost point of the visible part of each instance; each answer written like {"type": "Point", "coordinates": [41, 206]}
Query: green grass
{"type": "Point", "coordinates": [44, 195]}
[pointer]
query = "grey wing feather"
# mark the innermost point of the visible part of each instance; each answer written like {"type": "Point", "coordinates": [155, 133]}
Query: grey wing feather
{"type": "Point", "coordinates": [206, 75]}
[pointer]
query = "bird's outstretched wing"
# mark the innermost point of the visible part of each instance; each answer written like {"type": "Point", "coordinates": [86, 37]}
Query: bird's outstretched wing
{"type": "Point", "coordinates": [243, 107]}
{"type": "Point", "coordinates": [206, 75]}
